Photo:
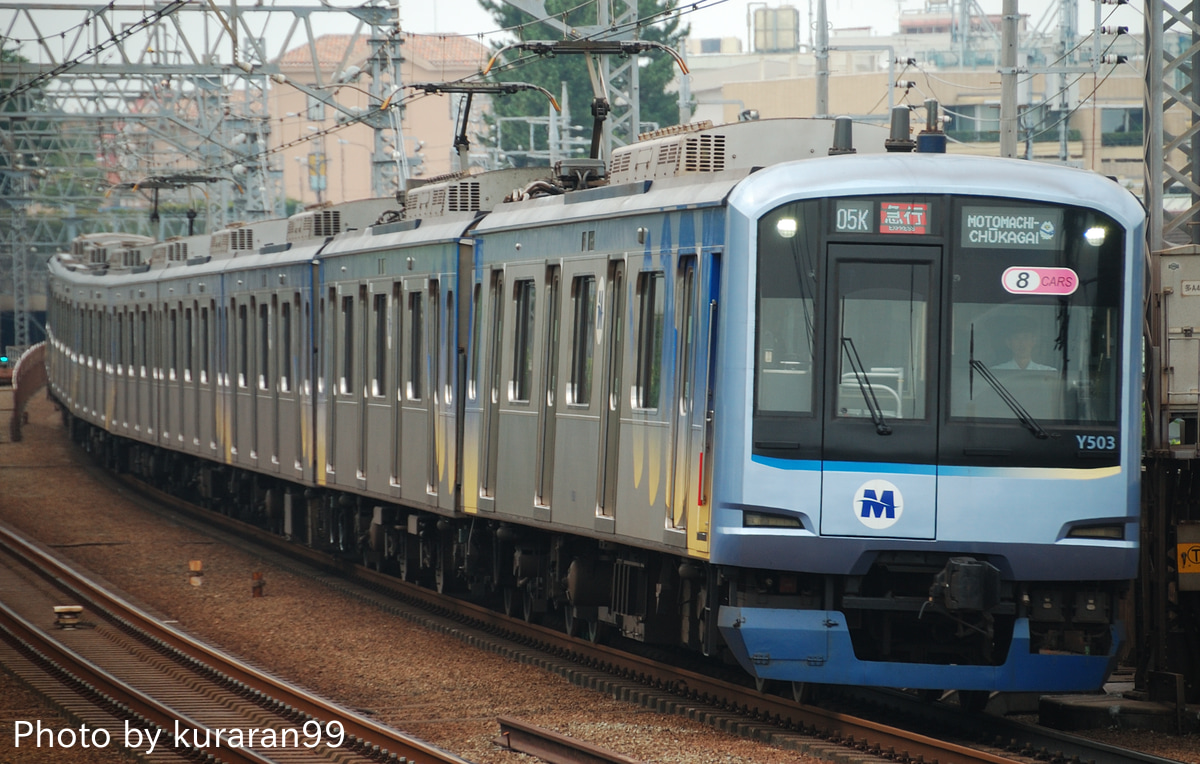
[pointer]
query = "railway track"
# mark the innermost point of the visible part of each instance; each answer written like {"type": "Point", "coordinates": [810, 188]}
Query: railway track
{"type": "Point", "coordinates": [147, 684]}
{"type": "Point", "coordinates": [931, 733]}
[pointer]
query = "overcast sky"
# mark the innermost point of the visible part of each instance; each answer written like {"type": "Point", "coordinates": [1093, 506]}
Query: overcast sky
{"type": "Point", "coordinates": [717, 18]}
{"type": "Point", "coordinates": [708, 18]}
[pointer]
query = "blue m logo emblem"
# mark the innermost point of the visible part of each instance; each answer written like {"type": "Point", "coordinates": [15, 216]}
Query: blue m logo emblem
{"type": "Point", "coordinates": [878, 506]}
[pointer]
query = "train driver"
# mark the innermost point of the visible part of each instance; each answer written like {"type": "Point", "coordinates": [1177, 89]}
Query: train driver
{"type": "Point", "coordinates": [1022, 340]}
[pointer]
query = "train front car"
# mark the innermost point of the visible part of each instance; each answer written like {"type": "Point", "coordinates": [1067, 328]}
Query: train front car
{"type": "Point", "coordinates": [927, 429]}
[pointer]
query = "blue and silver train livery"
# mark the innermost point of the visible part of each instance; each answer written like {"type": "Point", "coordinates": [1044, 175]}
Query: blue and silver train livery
{"type": "Point", "coordinates": [843, 415]}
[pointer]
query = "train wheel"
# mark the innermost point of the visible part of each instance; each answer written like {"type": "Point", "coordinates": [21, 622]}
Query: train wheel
{"type": "Point", "coordinates": [442, 575]}
{"type": "Point", "coordinates": [570, 621]}
{"type": "Point", "coordinates": [974, 700]}
{"type": "Point", "coordinates": [530, 614]}
{"type": "Point", "coordinates": [804, 692]}
{"type": "Point", "coordinates": [510, 601]}
{"type": "Point", "coordinates": [407, 564]}
{"type": "Point", "coordinates": [761, 684]}
{"type": "Point", "coordinates": [593, 630]}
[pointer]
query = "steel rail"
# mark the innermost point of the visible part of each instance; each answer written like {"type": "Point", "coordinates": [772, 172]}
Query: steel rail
{"type": "Point", "coordinates": [862, 734]}
{"type": "Point", "coordinates": [551, 747]}
{"type": "Point", "coordinates": [112, 693]}
{"type": "Point", "coordinates": [363, 735]}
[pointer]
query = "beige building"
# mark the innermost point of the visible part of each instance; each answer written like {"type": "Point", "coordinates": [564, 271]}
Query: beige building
{"type": "Point", "coordinates": [326, 164]}
{"type": "Point", "coordinates": [1102, 114]}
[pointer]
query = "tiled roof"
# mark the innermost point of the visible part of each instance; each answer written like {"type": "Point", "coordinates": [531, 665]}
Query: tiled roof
{"type": "Point", "coordinates": [431, 51]}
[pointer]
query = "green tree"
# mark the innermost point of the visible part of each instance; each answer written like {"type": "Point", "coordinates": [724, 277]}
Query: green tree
{"type": "Point", "coordinates": [657, 70]}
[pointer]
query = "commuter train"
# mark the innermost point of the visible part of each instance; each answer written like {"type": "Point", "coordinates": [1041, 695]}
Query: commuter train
{"type": "Point", "coordinates": [764, 390]}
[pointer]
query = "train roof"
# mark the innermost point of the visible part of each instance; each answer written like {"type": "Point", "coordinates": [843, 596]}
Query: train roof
{"type": "Point", "coordinates": [612, 201]}
{"type": "Point", "coordinates": [858, 175]}
{"type": "Point", "coordinates": [405, 233]}
{"type": "Point", "coordinates": [741, 147]}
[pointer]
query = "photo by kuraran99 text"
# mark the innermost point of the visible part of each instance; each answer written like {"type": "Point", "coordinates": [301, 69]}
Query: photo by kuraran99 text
{"type": "Point", "coordinates": [762, 391]}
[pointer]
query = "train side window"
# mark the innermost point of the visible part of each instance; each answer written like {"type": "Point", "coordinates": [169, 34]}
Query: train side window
{"type": "Point", "coordinates": [324, 336]}
{"type": "Point", "coordinates": [346, 382]}
{"type": "Point", "coordinates": [143, 345]}
{"type": "Point", "coordinates": [306, 356]}
{"type": "Point", "coordinates": [131, 343]}
{"type": "Point", "coordinates": [525, 297]}
{"type": "Point", "coordinates": [223, 360]}
{"type": "Point", "coordinates": [416, 307]}
{"type": "Point", "coordinates": [125, 329]}
{"type": "Point", "coordinates": [449, 355]}
{"type": "Point", "coordinates": [379, 366]}
{"type": "Point", "coordinates": [476, 326]}
{"type": "Point", "coordinates": [285, 341]}
{"type": "Point", "coordinates": [647, 383]}
{"type": "Point", "coordinates": [204, 345]}
{"type": "Point", "coordinates": [243, 338]}
{"type": "Point", "coordinates": [583, 344]}
{"type": "Point", "coordinates": [495, 378]}
{"type": "Point", "coordinates": [173, 339]}
{"type": "Point", "coordinates": [121, 343]}
{"type": "Point", "coordinates": [189, 347]}
{"type": "Point", "coordinates": [264, 345]}
{"type": "Point", "coordinates": [396, 332]}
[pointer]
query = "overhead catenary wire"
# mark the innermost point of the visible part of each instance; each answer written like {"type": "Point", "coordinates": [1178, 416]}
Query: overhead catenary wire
{"type": "Point", "coordinates": [66, 66]}
{"type": "Point", "coordinates": [507, 66]}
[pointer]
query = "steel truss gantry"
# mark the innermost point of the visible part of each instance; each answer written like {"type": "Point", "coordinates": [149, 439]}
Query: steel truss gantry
{"type": "Point", "coordinates": [1168, 650]}
{"type": "Point", "coordinates": [97, 96]}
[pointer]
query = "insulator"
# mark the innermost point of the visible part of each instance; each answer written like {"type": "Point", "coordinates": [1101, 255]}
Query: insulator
{"type": "Point", "coordinates": [1114, 30]}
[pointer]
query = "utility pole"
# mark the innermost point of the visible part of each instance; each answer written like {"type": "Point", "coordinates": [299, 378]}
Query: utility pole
{"type": "Point", "coordinates": [1008, 80]}
{"type": "Point", "coordinates": [821, 49]}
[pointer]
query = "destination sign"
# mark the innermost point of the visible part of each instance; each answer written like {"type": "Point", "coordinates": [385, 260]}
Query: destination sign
{"type": "Point", "coordinates": [899, 217]}
{"type": "Point", "coordinates": [1012, 228]}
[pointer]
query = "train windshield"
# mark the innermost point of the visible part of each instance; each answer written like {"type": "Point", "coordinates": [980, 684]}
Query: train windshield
{"type": "Point", "coordinates": [967, 330]}
{"type": "Point", "coordinates": [1035, 315]}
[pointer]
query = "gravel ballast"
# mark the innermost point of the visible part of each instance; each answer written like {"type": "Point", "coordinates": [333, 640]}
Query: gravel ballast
{"type": "Point", "coordinates": [429, 685]}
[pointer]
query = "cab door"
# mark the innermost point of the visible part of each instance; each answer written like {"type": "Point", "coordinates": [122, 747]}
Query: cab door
{"type": "Point", "coordinates": [879, 428]}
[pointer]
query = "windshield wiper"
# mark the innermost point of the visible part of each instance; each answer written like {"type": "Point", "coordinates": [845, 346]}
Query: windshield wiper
{"type": "Point", "coordinates": [1023, 416]}
{"type": "Point", "coordinates": [864, 386]}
